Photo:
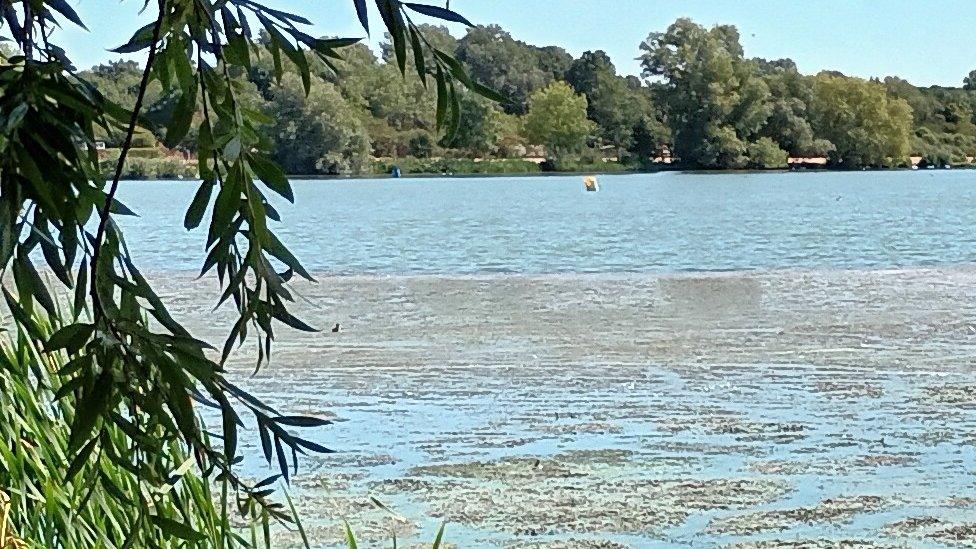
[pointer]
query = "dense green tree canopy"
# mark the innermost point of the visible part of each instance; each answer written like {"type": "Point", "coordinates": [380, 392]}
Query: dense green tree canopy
{"type": "Point", "coordinates": [969, 83]}
{"type": "Point", "coordinates": [764, 153]}
{"type": "Point", "coordinates": [557, 119]}
{"type": "Point", "coordinates": [316, 134]}
{"type": "Point", "coordinates": [508, 65]}
{"type": "Point", "coordinates": [866, 127]}
{"type": "Point", "coordinates": [716, 101]}
{"type": "Point", "coordinates": [790, 94]}
{"type": "Point", "coordinates": [700, 97]}
{"type": "Point", "coordinates": [614, 103]}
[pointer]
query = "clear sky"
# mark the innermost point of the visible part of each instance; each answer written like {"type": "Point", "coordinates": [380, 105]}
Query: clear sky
{"type": "Point", "coordinates": [925, 41]}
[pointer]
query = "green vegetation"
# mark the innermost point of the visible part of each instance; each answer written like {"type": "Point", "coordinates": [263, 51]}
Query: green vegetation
{"type": "Point", "coordinates": [864, 126]}
{"type": "Point", "coordinates": [101, 389]}
{"type": "Point", "coordinates": [557, 120]}
{"type": "Point", "coordinates": [764, 153]}
{"type": "Point", "coordinates": [74, 513]}
{"type": "Point", "coordinates": [701, 100]}
{"type": "Point", "coordinates": [452, 166]}
{"type": "Point", "coordinates": [715, 99]}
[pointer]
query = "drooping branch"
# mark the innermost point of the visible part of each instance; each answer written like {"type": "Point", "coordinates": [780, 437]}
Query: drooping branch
{"type": "Point", "coordinates": [106, 210]}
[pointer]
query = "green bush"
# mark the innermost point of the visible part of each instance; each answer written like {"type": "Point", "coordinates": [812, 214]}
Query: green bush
{"type": "Point", "coordinates": [564, 165]}
{"type": "Point", "coordinates": [146, 152]}
{"type": "Point", "coordinates": [40, 508]}
{"type": "Point", "coordinates": [765, 154]}
{"type": "Point", "coordinates": [150, 168]}
{"type": "Point", "coordinates": [412, 165]}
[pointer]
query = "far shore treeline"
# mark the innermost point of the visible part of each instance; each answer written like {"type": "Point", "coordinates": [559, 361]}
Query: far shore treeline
{"type": "Point", "coordinates": [702, 103]}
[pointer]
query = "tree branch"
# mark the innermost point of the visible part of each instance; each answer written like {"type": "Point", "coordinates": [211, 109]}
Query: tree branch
{"type": "Point", "coordinates": [105, 214]}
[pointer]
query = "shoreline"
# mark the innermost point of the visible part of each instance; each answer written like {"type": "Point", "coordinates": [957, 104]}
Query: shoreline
{"type": "Point", "coordinates": [676, 170]}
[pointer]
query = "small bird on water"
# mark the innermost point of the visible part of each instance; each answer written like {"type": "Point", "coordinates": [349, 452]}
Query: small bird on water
{"type": "Point", "coordinates": [336, 329]}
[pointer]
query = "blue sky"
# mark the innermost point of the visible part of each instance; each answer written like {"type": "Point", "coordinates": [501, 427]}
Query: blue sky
{"type": "Point", "coordinates": [926, 41]}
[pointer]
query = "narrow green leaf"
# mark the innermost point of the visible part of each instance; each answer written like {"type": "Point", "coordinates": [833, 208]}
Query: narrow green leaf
{"type": "Point", "coordinates": [333, 43]}
{"type": "Point", "coordinates": [80, 459]}
{"type": "Point", "coordinates": [438, 12]}
{"type": "Point", "coordinates": [232, 150]}
{"type": "Point", "coordinates": [282, 459]}
{"type": "Point", "coordinates": [172, 528]}
{"type": "Point", "coordinates": [29, 283]}
{"type": "Point", "coordinates": [121, 209]}
{"type": "Point", "coordinates": [265, 441]}
{"type": "Point", "coordinates": [284, 316]}
{"type": "Point", "coordinates": [89, 409]}
{"type": "Point", "coordinates": [271, 175]}
{"type": "Point", "coordinates": [442, 98]}
{"type": "Point", "coordinates": [70, 387]}
{"type": "Point", "coordinates": [71, 338]}
{"type": "Point", "coordinates": [455, 123]}
{"type": "Point", "coordinates": [301, 421]}
{"type": "Point", "coordinates": [313, 446]}
{"type": "Point", "coordinates": [182, 118]}
{"type": "Point", "coordinates": [140, 40]}
{"type": "Point", "coordinates": [50, 252]}
{"type": "Point", "coordinates": [62, 7]}
{"type": "Point", "coordinates": [230, 432]}
{"type": "Point", "coordinates": [194, 214]}
{"type": "Point", "coordinates": [267, 482]}
{"type": "Point", "coordinates": [418, 56]}
{"type": "Point", "coordinates": [298, 520]}
{"type": "Point", "coordinates": [361, 12]}
{"type": "Point", "coordinates": [488, 93]}
{"type": "Point", "coordinates": [81, 289]}
{"type": "Point", "coordinates": [440, 536]}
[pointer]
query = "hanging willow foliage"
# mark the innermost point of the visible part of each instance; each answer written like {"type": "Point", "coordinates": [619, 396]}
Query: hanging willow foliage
{"type": "Point", "coordinates": [131, 376]}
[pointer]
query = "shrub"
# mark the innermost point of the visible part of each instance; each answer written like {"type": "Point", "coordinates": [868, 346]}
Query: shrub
{"type": "Point", "coordinates": [564, 165]}
{"type": "Point", "coordinates": [455, 166]}
{"type": "Point", "coordinates": [150, 168]}
{"type": "Point", "coordinates": [145, 152]}
{"type": "Point", "coordinates": [78, 513]}
{"type": "Point", "coordinates": [764, 153]}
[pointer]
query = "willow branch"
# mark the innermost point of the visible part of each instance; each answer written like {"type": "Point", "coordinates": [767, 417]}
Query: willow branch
{"type": "Point", "coordinates": [126, 145]}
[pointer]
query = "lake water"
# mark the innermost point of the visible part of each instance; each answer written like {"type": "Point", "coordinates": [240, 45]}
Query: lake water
{"type": "Point", "coordinates": [547, 368]}
{"type": "Point", "coordinates": [637, 223]}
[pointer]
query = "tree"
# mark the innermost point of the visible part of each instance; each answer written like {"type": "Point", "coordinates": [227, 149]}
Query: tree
{"type": "Point", "coordinates": [317, 133]}
{"type": "Point", "coordinates": [867, 127]}
{"type": "Point", "coordinates": [765, 153]}
{"type": "Point", "coordinates": [482, 131]}
{"type": "Point", "coordinates": [557, 119]}
{"type": "Point", "coordinates": [716, 101]}
{"type": "Point", "coordinates": [512, 67]}
{"type": "Point", "coordinates": [510, 133]}
{"type": "Point", "coordinates": [646, 137]}
{"type": "Point", "coordinates": [969, 83]}
{"type": "Point", "coordinates": [438, 36]}
{"type": "Point", "coordinates": [612, 102]}
{"type": "Point", "coordinates": [554, 60]}
{"type": "Point", "coordinates": [790, 94]}
{"type": "Point", "coordinates": [124, 455]}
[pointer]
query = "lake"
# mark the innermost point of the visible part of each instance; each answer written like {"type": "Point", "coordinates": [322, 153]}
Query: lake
{"type": "Point", "coordinates": [663, 222]}
{"type": "Point", "coordinates": [757, 360]}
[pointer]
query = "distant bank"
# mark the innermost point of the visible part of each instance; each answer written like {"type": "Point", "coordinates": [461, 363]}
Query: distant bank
{"type": "Point", "coordinates": [162, 164]}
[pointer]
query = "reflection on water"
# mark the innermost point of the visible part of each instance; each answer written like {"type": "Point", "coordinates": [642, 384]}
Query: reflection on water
{"type": "Point", "coordinates": [636, 223]}
{"type": "Point", "coordinates": [621, 411]}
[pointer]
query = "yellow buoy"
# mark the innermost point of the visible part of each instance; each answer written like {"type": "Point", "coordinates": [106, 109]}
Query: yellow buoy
{"type": "Point", "coordinates": [590, 184]}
